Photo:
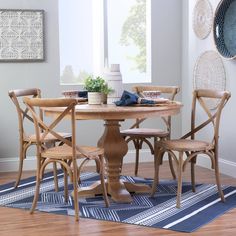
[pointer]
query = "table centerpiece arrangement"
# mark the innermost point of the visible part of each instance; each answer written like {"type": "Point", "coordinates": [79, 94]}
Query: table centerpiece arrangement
{"type": "Point", "coordinates": [97, 90]}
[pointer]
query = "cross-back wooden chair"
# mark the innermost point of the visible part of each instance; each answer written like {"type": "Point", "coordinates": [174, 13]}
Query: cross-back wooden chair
{"type": "Point", "coordinates": [192, 147]}
{"type": "Point", "coordinates": [26, 140]}
{"type": "Point", "coordinates": [139, 135]}
{"type": "Point", "coordinates": [68, 153]}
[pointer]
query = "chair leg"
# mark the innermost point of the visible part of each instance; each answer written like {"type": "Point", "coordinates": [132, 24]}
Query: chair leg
{"type": "Point", "coordinates": [78, 177]}
{"type": "Point", "coordinates": [171, 166]}
{"type": "Point", "coordinates": [55, 176]}
{"type": "Point", "coordinates": [97, 166]}
{"type": "Point", "coordinates": [137, 147]}
{"type": "Point", "coordinates": [122, 158]}
{"type": "Point", "coordinates": [172, 170]}
{"type": "Point", "coordinates": [193, 162]}
{"type": "Point", "coordinates": [75, 187]}
{"type": "Point", "coordinates": [218, 182]}
{"type": "Point", "coordinates": [180, 172]}
{"type": "Point", "coordinates": [158, 155]}
{"type": "Point", "coordinates": [65, 184]}
{"type": "Point", "coordinates": [102, 178]}
{"type": "Point", "coordinates": [155, 153]}
{"type": "Point", "coordinates": [23, 150]}
{"type": "Point", "coordinates": [37, 187]}
{"type": "Point", "coordinates": [53, 144]}
{"type": "Point", "coordinates": [36, 195]}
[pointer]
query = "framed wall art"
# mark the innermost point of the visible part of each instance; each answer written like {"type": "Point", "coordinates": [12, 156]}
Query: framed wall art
{"type": "Point", "coordinates": [21, 35]}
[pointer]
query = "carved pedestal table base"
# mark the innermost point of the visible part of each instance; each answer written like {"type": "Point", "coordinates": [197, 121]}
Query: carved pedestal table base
{"type": "Point", "coordinates": [115, 149]}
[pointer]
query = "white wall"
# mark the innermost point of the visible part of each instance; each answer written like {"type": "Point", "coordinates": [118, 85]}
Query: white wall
{"type": "Point", "coordinates": [22, 75]}
{"type": "Point", "coordinates": [192, 49]}
{"type": "Point", "coordinates": [167, 48]}
{"type": "Point", "coordinates": [166, 56]}
{"type": "Point", "coordinates": [44, 75]}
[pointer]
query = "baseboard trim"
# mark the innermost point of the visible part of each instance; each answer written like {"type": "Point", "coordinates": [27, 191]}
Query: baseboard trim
{"type": "Point", "coordinates": [226, 167]}
{"type": "Point", "coordinates": [11, 164]}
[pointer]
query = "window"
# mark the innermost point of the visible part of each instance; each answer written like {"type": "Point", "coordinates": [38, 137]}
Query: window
{"type": "Point", "coordinates": [127, 38]}
{"type": "Point", "coordinates": [93, 35]}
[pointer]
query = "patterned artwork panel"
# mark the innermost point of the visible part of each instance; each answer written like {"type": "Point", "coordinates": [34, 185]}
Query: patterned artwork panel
{"type": "Point", "coordinates": [21, 35]}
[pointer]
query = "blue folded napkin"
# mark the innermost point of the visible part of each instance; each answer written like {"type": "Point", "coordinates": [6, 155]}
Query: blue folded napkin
{"type": "Point", "coordinates": [129, 99]}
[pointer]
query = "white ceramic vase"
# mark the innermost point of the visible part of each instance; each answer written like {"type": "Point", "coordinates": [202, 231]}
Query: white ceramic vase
{"type": "Point", "coordinates": [114, 81]}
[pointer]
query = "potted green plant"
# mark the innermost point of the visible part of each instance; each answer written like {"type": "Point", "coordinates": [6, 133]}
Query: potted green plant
{"type": "Point", "coordinates": [97, 89]}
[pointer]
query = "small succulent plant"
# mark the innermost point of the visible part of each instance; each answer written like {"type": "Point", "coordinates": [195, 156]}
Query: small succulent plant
{"type": "Point", "coordinates": [97, 84]}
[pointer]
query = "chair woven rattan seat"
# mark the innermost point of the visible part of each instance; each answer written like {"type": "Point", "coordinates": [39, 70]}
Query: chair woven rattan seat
{"type": "Point", "coordinates": [65, 152]}
{"type": "Point", "coordinates": [145, 132]}
{"type": "Point", "coordinates": [185, 145]}
{"type": "Point", "coordinates": [49, 137]}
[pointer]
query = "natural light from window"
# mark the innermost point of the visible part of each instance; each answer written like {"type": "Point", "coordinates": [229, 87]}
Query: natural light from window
{"type": "Point", "coordinates": [127, 38]}
{"type": "Point", "coordinates": [93, 34]}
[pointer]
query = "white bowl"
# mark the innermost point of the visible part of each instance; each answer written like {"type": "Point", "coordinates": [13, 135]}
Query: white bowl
{"type": "Point", "coordinates": [70, 93]}
{"type": "Point", "coordinates": [151, 94]}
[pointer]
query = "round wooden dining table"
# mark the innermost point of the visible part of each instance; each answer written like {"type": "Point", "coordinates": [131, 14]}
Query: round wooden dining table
{"type": "Point", "coordinates": [115, 147]}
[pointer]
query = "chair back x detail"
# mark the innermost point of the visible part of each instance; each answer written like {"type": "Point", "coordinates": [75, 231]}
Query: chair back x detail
{"type": "Point", "coordinates": [214, 115]}
{"type": "Point", "coordinates": [67, 154]}
{"type": "Point", "coordinates": [26, 138]}
{"type": "Point", "coordinates": [190, 145]}
{"type": "Point", "coordinates": [139, 135]}
{"type": "Point", "coordinates": [169, 91]}
{"type": "Point", "coordinates": [22, 112]}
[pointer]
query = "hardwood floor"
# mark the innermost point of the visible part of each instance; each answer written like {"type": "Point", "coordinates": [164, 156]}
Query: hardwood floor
{"type": "Point", "coordinates": [21, 223]}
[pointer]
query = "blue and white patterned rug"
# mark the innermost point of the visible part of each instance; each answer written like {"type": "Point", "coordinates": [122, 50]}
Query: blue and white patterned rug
{"type": "Point", "coordinates": [197, 209]}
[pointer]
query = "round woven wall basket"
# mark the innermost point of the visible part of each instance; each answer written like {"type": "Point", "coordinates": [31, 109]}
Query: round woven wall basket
{"type": "Point", "coordinates": [209, 73]}
{"type": "Point", "coordinates": [202, 18]}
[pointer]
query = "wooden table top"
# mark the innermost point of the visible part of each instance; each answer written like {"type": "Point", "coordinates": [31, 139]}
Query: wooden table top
{"type": "Point", "coordinates": [113, 112]}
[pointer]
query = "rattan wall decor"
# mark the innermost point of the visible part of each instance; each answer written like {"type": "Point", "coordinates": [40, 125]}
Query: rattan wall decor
{"type": "Point", "coordinates": [202, 18]}
{"type": "Point", "coordinates": [209, 73]}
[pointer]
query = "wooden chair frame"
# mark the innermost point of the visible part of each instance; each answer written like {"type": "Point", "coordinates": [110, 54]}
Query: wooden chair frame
{"type": "Point", "coordinates": [138, 139]}
{"type": "Point", "coordinates": [25, 140]}
{"type": "Point", "coordinates": [192, 148]}
{"type": "Point", "coordinates": [71, 150]}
